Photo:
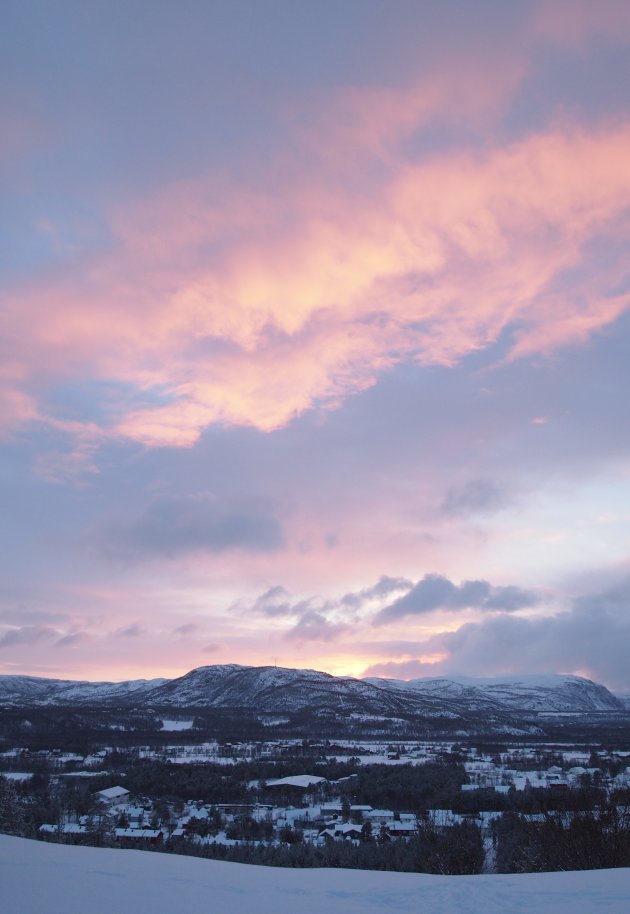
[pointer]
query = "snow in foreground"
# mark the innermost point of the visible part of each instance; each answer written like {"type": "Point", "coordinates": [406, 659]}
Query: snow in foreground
{"type": "Point", "coordinates": [39, 878]}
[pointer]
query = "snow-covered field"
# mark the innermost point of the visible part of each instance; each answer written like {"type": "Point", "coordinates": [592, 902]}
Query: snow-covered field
{"type": "Point", "coordinates": [40, 878]}
{"type": "Point", "coordinates": [172, 725]}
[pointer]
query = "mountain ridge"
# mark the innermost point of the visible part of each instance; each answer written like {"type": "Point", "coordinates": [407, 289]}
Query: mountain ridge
{"type": "Point", "coordinates": [271, 690]}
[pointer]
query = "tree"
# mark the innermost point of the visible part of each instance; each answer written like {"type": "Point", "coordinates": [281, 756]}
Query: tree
{"type": "Point", "coordinates": [564, 840]}
{"type": "Point", "coordinates": [290, 835]}
{"type": "Point", "coordinates": [12, 817]}
{"type": "Point", "coordinates": [453, 851]}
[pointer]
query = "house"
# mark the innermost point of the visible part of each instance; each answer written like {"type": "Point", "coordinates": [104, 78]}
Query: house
{"type": "Point", "coordinates": [262, 812]}
{"type": "Point", "coordinates": [112, 795]}
{"type": "Point", "coordinates": [331, 809]}
{"type": "Point", "coordinates": [341, 831]}
{"type": "Point", "coordinates": [359, 810]}
{"type": "Point", "coordinates": [444, 818]}
{"type": "Point", "coordinates": [379, 816]}
{"type": "Point", "coordinates": [69, 828]}
{"type": "Point", "coordinates": [138, 835]}
{"type": "Point", "coordinates": [401, 829]}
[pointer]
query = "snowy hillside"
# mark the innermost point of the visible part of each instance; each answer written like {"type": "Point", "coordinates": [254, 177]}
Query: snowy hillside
{"type": "Point", "coordinates": [551, 692]}
{"type": "Point", "coordinates": [40, 878]}
{"type": "Point", "coordinates": [33, 690]}
{"type": "Point", "coordinates": [273, 690]}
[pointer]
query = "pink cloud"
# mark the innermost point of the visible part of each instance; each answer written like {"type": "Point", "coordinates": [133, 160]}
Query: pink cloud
{"type": "Point", "coordinates": [16, 407]}
{"type": "Point", "coordinates": [249, 306]}
{"type": "Point", "coordinates": [462, 92]}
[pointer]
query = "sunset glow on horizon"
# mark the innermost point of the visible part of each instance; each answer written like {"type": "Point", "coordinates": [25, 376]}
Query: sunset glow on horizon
{"type": "Point", "coordinates": [315, 338]}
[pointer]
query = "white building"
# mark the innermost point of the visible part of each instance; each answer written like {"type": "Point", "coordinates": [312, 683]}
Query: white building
{"type": "Point", "coordinates": [112, 795]}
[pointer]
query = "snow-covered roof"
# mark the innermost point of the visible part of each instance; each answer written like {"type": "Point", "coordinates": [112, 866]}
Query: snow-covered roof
{"type": "Point", "coordinates": [297, 780]}
{"type": "Point", "coordinates": [137, 832]}
{"type": "Point", "coordinates": [343, 829]}
{"type": "Point", "coordinates": [112, 793]}
{"type": "Point", "coordinates": [70, 828]}
{"type": "Point", "coordinates": [199, 814]}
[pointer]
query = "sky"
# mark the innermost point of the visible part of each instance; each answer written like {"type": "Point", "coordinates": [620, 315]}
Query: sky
{"type": "Point", "coordinates": [315, 337]}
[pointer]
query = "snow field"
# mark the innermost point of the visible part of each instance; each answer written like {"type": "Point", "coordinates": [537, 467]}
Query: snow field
{"type": "Point", "coordinates": [41, 878]}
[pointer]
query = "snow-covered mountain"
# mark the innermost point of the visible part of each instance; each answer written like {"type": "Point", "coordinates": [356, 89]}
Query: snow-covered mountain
{"type": "Point", "coordinates": [273, 690]}
{"type": "Point", "coordinates": [33, 690]}
{"type": "Point", "coordinates": [550, 692]}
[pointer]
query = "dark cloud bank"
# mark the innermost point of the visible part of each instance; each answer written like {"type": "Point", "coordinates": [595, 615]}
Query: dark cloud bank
{"type": "Point", "coordinates": [591, 638]}
{"type": "Point", "coordinates": [435, 592]}
{"type": "Point", "coordinates": [319, 619]}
